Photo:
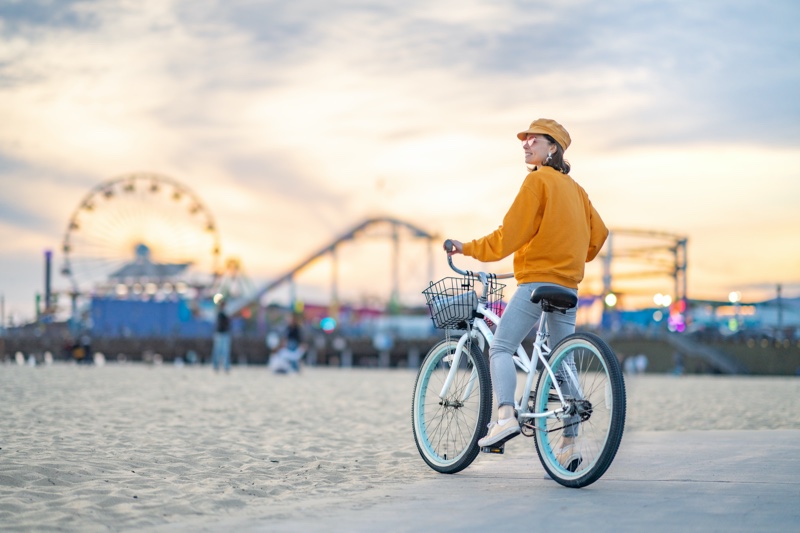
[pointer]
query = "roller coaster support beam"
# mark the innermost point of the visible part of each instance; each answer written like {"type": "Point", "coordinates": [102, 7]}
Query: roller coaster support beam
{"type": "Point", "coordinates": [347, 236]}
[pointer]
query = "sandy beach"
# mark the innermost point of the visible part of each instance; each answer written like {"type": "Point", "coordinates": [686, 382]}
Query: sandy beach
{"type": "Point", "coordinates": [133, 447]}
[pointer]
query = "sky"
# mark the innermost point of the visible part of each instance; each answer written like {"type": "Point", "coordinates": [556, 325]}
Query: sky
{"type": "Point", "coordinates": [295, 121]}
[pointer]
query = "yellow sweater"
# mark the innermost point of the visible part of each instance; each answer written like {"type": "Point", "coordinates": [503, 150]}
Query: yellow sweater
{"type": "Point", "coordinates": [551, 228]}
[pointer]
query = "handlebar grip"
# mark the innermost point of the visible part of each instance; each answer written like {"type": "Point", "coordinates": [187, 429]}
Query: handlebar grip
{"type": "Point", "coordinates": [449, 246]}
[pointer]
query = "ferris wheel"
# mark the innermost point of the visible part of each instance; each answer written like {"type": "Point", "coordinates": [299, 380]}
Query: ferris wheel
{"type": "Point", "coordinates": [142, 219]}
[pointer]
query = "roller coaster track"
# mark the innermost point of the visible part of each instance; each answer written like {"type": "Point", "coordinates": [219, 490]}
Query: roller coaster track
{"type": "Point", "coordinates": [351, 234]}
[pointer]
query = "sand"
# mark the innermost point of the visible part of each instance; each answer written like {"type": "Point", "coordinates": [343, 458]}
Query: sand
{"type": "Point", "coordinates": [132, 447]}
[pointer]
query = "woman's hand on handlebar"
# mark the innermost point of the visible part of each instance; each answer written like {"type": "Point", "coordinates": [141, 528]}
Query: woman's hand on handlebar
{"type": "Point", "coordinates": [452, 247]}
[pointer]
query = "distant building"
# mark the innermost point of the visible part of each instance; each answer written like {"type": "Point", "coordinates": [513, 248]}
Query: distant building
{"type": "Point", "coordinates": [115, 317]}
{"type": "Point", "coordinates": [143, 269]}
{"type": "Point", "coordinates": [780, 317]}
{"type": "Point", "coordinates": [146, 299]}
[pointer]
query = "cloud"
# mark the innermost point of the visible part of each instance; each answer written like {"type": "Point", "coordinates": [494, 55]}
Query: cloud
{"type": "Point", "coordinates": [300, 118]}
{"type": "Point", "coordinates": [20, 16]}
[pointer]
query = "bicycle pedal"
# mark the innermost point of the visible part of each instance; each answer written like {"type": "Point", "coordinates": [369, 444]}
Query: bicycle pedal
{"type": "Point", "coordinates": [494, 449]}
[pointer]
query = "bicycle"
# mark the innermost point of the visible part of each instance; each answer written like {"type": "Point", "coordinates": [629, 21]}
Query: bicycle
{"type": "Point", "coordinates": [579, 393]}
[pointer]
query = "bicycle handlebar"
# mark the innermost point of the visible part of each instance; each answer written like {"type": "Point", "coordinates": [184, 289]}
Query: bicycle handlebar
{"type": "Point", "coordinates": [449, 247]}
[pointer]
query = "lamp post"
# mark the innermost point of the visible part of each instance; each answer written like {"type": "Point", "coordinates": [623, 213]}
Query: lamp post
{"type": "Point", "coordinates": [662, 301]}
{"type": "Point", "coordinates": [735, 297]}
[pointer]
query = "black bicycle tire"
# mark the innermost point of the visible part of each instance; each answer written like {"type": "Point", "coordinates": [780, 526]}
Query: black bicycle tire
{"type": "Point", "coordinates": [618, 412]}
{"type": "Point", "coordinates": [471, 450]}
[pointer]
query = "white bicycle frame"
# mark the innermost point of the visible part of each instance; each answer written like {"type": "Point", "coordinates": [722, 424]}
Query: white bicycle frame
{"type": "Point", "coordinates": [527, 363]}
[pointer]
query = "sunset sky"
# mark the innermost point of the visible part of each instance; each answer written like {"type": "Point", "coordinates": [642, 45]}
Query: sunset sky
{"type": "Point", "coordinates": [295, 120]}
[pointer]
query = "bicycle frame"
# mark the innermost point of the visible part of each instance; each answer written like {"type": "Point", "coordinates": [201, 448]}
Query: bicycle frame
{"type": "Point", "coordinates": [521, 359]}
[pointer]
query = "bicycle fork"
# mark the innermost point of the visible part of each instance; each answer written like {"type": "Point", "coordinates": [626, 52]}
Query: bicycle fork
{"type": "Point", "coordinates": [454, 363]}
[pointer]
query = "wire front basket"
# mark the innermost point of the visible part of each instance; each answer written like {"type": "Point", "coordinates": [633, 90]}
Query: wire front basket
{"type": "Point", "coordinates": [453, 301]}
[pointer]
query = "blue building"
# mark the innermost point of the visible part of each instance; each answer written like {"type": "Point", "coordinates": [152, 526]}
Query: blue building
{"type": "Point", "coordinates": [113, 317]}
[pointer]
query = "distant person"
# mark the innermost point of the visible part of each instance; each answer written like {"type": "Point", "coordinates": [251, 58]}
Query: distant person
{"type": "Point", "coordinates": [629, 365]}
{"type": "Point", "coordinates": [677, 359]}
{"type": "Point", "coordinates": [641, 363]}
{"type": "Point", "coordinates": [287, 359]}
{"type": "Point", "coordinates": [294, 333]}
{"type": "Point", "coordinates": [82, 349]}
{"type": "Point", "coordinates": [553, 230]}
{"type": "Point", "coordinates": [221, 351]}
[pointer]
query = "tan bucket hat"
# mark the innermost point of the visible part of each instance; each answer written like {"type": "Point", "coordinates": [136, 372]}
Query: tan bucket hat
{"type": "Point", "coordinates": [549, 127]}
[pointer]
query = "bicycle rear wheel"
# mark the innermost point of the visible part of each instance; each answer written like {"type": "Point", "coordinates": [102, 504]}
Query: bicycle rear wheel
{"type": "Point", "coordinates": [576, 449]}
{"type": "Point", "coordinates": [446, 430]}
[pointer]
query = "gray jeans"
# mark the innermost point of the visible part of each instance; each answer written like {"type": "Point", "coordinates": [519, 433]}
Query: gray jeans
{"type": "Point", "coordinates": [519, 318]}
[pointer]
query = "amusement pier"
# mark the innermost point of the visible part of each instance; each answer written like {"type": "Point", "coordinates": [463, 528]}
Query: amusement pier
{"type": "Point", "coordinates": [156, 302]}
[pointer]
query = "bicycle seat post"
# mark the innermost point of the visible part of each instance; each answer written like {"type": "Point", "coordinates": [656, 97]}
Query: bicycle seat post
{"type": "Point", "coordinates": [542, 332]}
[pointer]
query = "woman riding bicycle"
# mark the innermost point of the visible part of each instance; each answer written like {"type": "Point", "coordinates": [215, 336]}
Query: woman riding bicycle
{"type": "Point", "coordinates": [553, 230]}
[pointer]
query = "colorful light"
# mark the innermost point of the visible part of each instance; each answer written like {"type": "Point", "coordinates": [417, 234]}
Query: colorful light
{"type": "Point", "coordinates": [328, 324]}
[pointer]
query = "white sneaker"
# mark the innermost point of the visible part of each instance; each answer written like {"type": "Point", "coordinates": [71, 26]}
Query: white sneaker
{"type": "Point", "coordinates": [500, 432]}
{"type": "Point", "coordinates": [568, 456]}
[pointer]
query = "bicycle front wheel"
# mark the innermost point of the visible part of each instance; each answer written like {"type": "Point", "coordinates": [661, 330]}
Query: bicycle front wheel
{"type": "Point", "coordinates": [446, 430]}
{"type": "Point", "coordinates": [577, 447]}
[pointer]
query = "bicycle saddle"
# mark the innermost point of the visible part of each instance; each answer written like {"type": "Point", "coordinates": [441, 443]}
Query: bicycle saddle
{"type": "Point", "coordinates": [555, 298]}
